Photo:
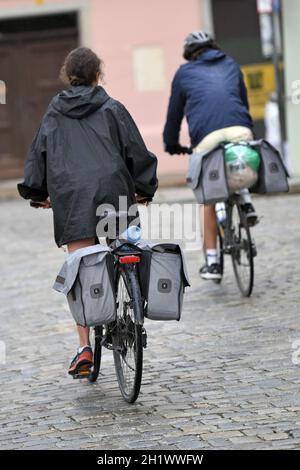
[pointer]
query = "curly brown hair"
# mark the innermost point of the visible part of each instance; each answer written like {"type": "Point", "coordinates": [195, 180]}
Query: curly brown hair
{"type": "Point", "coordinates": [81, 67]}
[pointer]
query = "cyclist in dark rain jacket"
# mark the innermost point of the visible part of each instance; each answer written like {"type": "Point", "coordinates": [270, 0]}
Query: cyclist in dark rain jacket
{"type": "Point", "coordinates": [87, 152]}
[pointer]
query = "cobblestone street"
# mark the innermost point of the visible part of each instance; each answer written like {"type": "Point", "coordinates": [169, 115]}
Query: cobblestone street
{"type": "Point", "coordinates": [222, 378]}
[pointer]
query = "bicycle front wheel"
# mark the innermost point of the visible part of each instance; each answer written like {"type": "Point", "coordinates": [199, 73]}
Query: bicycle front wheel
{"type": "Point", "coordinates": [241, 251]}
{"type": "Point", "coordinates": [127, 335]}
{"type": "Point", "coordinates": [98, 335]}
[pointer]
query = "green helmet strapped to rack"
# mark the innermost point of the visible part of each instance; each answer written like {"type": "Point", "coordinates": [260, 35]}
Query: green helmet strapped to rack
{"type": "Point", "coordinates": [242, 151]}
{"type": "Point", "coordinates": [242, 165]}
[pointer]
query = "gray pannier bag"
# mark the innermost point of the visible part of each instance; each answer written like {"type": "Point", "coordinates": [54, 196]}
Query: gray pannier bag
{"type": "Point", "coordinates": [207, 176]}
{"type": "Point", "coordinates": [273, 176]}
{"type": "Point", "coordinates": [163, 279]}
{"type": "Point", "coordinates": [87, 280]}
{"type": "Point", "coordinates": [207, 173]}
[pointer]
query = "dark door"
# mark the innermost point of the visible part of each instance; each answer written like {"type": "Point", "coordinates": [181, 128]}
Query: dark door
{"type": "Point", "coordinates": [9, 152]}
{"type": "Point", "coordinates": [237, 29]}
{"type": "Point", "coordinates": [30, 62]}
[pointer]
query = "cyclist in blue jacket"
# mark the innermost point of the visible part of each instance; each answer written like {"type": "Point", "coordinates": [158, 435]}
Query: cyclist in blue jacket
{"type": "Point", "coordinates": [209, 90]}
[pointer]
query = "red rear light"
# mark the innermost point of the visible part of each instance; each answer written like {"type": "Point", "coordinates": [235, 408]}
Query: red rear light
{"type": "Point", "coordinates": [129, 259]}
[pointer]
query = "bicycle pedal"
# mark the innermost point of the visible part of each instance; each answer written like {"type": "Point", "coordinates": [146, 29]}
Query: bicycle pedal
{"type": "Point", "coordinates": [144, 338]}
{"type": "Point", "coordinates": [107, 345]}
{"type": "Point", "coordinates": [252, 221]}
{"type": "Point", "coordinates": [82, 375]}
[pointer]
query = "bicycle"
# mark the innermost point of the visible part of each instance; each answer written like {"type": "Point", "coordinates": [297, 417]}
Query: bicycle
{"type": "Point", "coordinates": [126, 336]}
{"type": "Point", "coordinates": [234, 239]}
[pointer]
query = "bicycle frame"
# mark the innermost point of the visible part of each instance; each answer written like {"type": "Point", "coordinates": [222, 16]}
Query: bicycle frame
{"type": "Point", "coordinates": [235, 240]}
{"type": "Point", "coordinates": [226, 232]}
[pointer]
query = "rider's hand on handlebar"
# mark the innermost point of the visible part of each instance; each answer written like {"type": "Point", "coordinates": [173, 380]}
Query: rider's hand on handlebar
{"type": "Point", "coordinates": [145, 201]}
{"type": "Point", "coordinates": [177, 149]}
{"type": "Point", "coordinates": [41, 204]}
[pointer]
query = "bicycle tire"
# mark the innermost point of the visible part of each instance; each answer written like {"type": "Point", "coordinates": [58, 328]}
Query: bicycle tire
{"type": "Point", "coordinates": [97, 353]}
{"type": "Point", "coordinates": [220, 245]}
{"type": "Point", "coordinates": [245, 287]}
{"type": "Point", "coordinates": [128, 281]}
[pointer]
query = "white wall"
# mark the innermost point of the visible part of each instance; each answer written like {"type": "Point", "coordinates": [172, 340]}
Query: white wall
{"type": "Point", "coordinates": [291, 22]}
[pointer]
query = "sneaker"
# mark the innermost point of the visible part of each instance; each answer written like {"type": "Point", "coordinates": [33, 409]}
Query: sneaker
{"type": "Point", "coordinates": [212, 272]}
{"type": "Point", "coordinates": [82, 362]}
{"type": "Point", "coordinates": [252, 217]}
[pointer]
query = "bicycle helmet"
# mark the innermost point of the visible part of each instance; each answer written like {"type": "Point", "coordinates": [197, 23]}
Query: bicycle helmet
{"type": "Point", "coordinates": [195, 41]}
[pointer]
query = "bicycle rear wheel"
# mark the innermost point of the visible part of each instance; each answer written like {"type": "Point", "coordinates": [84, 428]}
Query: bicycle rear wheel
{"type": "Point", "coordinates": [220, 254]}
{"type": "Point", "coordinates": [98, 335]}
{"type": "Point", "coordinates": [241, 250]}
{"type": "Point", "coordinates": [127, 335]}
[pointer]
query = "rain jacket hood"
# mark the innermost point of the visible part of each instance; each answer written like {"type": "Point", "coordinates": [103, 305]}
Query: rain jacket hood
{"type": "Point", "coordinates": [211, 55]}
{"type": "Point", "coordinates": [80, 101]}
{"type": "Point", "coordinates": [87, 152]}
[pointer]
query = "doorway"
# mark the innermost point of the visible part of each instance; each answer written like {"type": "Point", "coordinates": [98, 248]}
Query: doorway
{"type": "Point", "coordinates": [32, 51]}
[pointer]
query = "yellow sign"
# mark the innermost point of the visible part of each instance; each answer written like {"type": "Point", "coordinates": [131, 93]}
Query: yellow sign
{"type": "Point", "coordinates": [39, 2]}
{"type": "Point", "coordinates": [260, 81]}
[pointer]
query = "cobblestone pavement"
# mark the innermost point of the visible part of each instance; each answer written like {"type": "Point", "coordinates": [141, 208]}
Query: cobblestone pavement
{"type": "Point", "coordinates": [221, 378]}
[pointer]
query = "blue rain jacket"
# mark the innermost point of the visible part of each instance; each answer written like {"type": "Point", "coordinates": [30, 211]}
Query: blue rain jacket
{"type": "Point", "coordinates": [211, 93]}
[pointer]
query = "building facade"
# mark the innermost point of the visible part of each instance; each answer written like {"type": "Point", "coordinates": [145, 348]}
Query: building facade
{"type": "Point", "coordinates": [140, 43]}
{"type": "Point", "coordinates": [291, 21]}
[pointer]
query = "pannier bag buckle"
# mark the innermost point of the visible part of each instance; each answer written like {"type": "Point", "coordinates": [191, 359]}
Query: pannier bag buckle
{"type": "Point", "coordinates": [96, 291]}
{"type": "Point", "coordinates": [273, 167]}
{"type": "Point", "coordinates": [214, 175]}
{"type": "Point", "coordinates": [165, 286]}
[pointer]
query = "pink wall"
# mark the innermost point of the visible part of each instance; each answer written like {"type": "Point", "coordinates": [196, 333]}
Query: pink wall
{"type": "Point", "coordinates": [30, 3]}
{"type": "Point", "coordinates": [118, 26]}
{"type": "Point", "coordinates": [115, 28]}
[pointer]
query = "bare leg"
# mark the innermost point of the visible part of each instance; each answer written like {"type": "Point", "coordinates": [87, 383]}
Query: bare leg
{"type": "Point", "coordinates": [83, 332]}
{"type": "Point", "coordinates": [210, 228]}
{"type": "Point", "coordinates": [84, 336]}
{"type": "Point", "coordinates": [81, 244]}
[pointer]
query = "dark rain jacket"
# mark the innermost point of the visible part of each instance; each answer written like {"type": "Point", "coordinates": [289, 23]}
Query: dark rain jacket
{"type": "Point", "coordinates": [211, 93]}
{"type": "Point", "coordinates": [88, 151]}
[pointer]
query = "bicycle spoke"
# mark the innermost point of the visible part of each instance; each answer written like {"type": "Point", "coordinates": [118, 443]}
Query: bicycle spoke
{"type": "Point", "coordinates": [97, 334]}
{"type": "Point", "coordinates": [125, 346]}
{"type": "Point", "coordinates": [241, 251]}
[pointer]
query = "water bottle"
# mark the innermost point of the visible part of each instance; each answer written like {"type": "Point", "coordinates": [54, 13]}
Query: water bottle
{"type": "Point", "coordinates": [221, 213]}
{"type": "Point", "coordinates": [132, 234]}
